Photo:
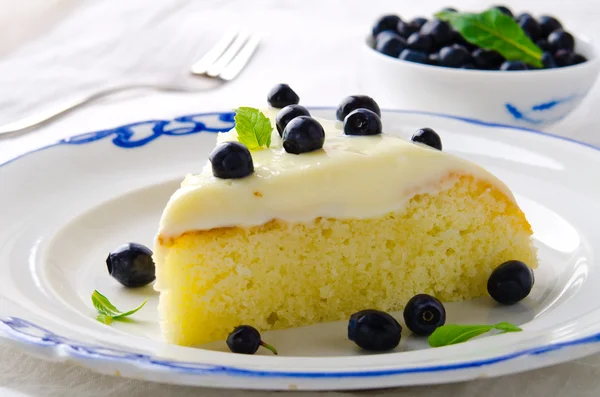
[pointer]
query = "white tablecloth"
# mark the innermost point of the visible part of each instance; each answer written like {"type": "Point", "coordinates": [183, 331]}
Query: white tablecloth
{"type": "Point", "coordinates": [53, 48]}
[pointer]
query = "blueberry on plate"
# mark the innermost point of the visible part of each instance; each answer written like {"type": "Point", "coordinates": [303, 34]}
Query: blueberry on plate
{"type": "Point", "coordinates": [246, 339]}
{"type": "Point", "coordinates": [510, 282]}
{"type": "Point", "coordinates": [420, 42]}
{"type": "Point", "coordinates": [548, 60]}
{"type": "Point", "coordinates": [405, 29]}
{"type": "Point", "coordinates": [303, 134]}
{"type": "Point", "coordinates": [429, 137]}
{"type": "Point", "coordinates": [440, 31]}
{"type": "Point", "coordinates": [132, 265]}
{"type": "Point", "coordinates": [548, 25]}
{"type": "Point", "coordinates": [287, 114]}
{"type": "Point", "coordinates": [362, 122]}
{"type": "Point", "coordinates": [374, 330]}
{"type": "Point", "coordinates": [231, 160]}
{"type": "Point", "coordinates": [531, 27]}
{"type": "Point", "coordinates": [414, 56]}
{"type": "Point", "coordinates": [390, 44]}
{"type": "Point", "coordinates": [469, 66]}
{"type": "Point", "coordinates": [454, 56]}
{"type": "Point", "coordinates": [282, 95]}
{"type": "Point", "coordinates": [423, 314]}
{"type": "Point", "coordinates": [386, 22]}
{"type": "Point", "coordinates": [561, 40]}
{"type": "Point", "coordinates": [577, 59]}
{"type": "Point", "coordinates": [487, 59]}
{"type": "Point", "coordinates": [419, 21]}
{"type": "Point", "coordinates": [354, 102]}
{"type": "Point", "coordinates": [513, 65]}
{"type": "Point", "coordinates": [504, 9]}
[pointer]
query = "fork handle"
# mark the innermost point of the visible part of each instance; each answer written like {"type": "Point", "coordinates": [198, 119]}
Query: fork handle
{"type": "Point", "coordinates": [44, 116]}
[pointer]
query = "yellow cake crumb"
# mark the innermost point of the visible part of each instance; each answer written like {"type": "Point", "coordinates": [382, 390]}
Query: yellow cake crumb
{"type": "Point", "coordinates": [281, 275]}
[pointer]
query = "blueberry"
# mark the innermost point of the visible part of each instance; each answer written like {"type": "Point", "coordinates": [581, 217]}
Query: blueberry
{"type": "Point", "coordinates": [531, 27]}
{"type": "Point", "coordinates": [510, 282]}
{"type": "Point", "coordinates": [132, 265]}
{"type": "Point", "coordinates": [405, 29]}
{"type": "Point", "coordinates": [449, 9]}
{"type": "Point", "coordinates": [458, 39]}
{"type": "Point", "coordinates": [454, 56]}
{"type": "Point", "coordinates": [386, 22]}
{"type": "Point", "coordinates": [568, 58]}
{"type": "Point", "coordinates": [389, 43]}
{"type": "Point", "coordinates": [282, 95]}
{"type": "Point", "coordinates": [549, 24]}
{"type": "Point", "coordinates": [414, 56]}
{"type": "Point", "coordinates": [513, 65]}
{"type": "Point", "coordinates": [561, 40]}
{"type": "Point", "coordinates": [522, 16]}
{"type": "Point", "coordinates": [285, 115]}
{"type": "Point", "coordinates": [548, 61]}
{"type": "Point", "coordinates": [543, 44]}
{"type": "Point", "coordinates": [423, 314]}
{"type": "Point", "coordinates": [231, 160]}
{"type": "Point", "coordinates": [420, 42]}
{"type": "Point", "coordinates": [354, 102]}
{"type": "Point", "coordinates": [505, 10]}
{"type": "Point", "coordinates": [374, 330]}
{"type": "Point", "coordinates": [563, 57]}
{"type": "Point", "coordinates": [440, 31]}
{"type": "Point", "coordinates": [468, 66]}
{"type": "Point", "coordinates": [302, 135]}
{"type": "Point", "coordinates": [486, 59]}
{"type": "Point", "coordinates": [577, 59]}
{"type": "Point", "coordinates": [246, 339]}
{"type": "Point", "coordinates": [434, 59]}
{"type": "Point", "coordinates": [362, 122]}
{"type": "Point", "coordinates": [419, 21]}
{"type": "Point", "coordinates": [429, 137]}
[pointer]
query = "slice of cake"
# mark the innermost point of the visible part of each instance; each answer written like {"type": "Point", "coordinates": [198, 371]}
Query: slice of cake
{"type": "Point", "coordinates": [325, 221]}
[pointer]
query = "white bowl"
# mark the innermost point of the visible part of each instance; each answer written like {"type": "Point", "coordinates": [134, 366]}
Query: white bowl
{"type": "Point", "coordinates": [531, 98]}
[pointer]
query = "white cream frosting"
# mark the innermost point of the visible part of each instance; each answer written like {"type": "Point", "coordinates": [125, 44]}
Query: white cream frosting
{"type": "Point", "coordinates": [351, 177]}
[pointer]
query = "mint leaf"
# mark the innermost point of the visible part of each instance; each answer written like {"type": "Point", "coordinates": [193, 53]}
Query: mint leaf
{"type": "Point", "coordinates": [493, 30]}
{"type": "Point", "coordinates": [452, 334]}
{"type": "Point", "coordinates": [253, 128]}
{"type": "Point", "coordinates": [507, 327]}
{"type": "Point", "coordinates": [108, 312]}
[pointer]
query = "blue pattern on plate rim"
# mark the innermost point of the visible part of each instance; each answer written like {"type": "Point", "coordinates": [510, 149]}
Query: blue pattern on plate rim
{"type": "Point", "coordinates": [531, 115]}
{"type": "Point", "coordinates": [31, 334]}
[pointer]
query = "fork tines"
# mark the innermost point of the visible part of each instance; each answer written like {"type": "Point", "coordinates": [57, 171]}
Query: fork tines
{"type": "Point", "coordinates": [228, 57]}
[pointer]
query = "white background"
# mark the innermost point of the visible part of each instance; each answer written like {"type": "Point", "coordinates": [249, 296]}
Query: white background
{"type": "Point", "coordinates": [50, 49]}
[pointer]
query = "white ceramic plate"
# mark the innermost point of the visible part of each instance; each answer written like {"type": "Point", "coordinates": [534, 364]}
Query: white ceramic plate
{"type": "Point", "coordinates": [63, 208]}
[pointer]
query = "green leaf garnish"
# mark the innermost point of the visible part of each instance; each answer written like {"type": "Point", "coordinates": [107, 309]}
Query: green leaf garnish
{"type": "Point", "coordinates": [493, 30]}
{"type": "Point", "coordinates": [253, 128]}
{"type": "Point", "coordinates": [452, 334]}
{"type": "Point", "coordinates": [108, 312]}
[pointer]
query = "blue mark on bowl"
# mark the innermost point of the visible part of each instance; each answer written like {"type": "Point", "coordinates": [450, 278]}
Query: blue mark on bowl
{"type": "Point", "coordinates": [531, 115]}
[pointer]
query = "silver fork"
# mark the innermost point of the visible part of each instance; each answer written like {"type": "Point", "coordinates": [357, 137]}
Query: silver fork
{"type": "Point", "coordinates": [223, 62]}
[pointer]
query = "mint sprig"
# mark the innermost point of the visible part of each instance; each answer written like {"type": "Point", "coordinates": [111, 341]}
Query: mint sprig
{"type": "Point", "coordinates": [493, 30]}
{"type": "Point", "coordinates": [452, 334]}
{"type": "Point", "coordinates": [253, 128]}
{"type": "Point", "coordinates": [108, 312]}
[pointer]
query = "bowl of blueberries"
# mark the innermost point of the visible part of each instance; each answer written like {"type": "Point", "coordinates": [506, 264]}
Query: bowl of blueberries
{"type": "Point", "coordinates": [493, 66]}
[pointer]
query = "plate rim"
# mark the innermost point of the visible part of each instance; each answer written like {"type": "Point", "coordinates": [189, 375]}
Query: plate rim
{"type": "Point", "coordinates": [30, 335]}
